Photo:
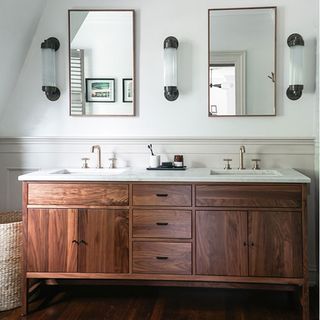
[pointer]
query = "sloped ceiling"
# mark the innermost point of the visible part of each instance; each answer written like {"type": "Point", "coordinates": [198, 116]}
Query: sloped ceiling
{"type": "Point", "coordinates": [18, 22]}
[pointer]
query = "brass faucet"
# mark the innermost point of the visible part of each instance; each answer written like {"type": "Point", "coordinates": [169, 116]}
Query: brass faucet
{"type": "Point", "coordinates": [93, 148]}
{"type": "Point", "coordinates": [242, 151]}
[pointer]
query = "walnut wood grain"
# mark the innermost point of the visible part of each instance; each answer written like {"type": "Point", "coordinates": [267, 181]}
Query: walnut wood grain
{"type": "Point", "coordinates": [221, 243]}
{"type": "Point", "coordinates": [160, 257]}
{"type": "Point", "coordinates": [50, 235]}
{"type": "Point", "coordinates": [304, 299]}
{"type": "Point", "coordinates": [161, 195]}
{"type": "Point", "coordinates": [151, 223]}
{"type": "Point", "coordinates": [275, 242]}
{"type": "Point", "coordinates": [24, 260]}
{"type": "Point", "coordinates": [104, 241]}
{"type": "Point", "coordinates": [250, 196]}
{"type": "Point", "coordinates": [227, 215]}
{"type": "Point", "coordinates": [169, 277]}
{"type": "Point", "coordinates": [90, 194]}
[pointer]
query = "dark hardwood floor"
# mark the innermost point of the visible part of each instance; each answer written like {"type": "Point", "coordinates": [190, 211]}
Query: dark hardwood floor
{"type": "Point", "coordinates": [151, 303]}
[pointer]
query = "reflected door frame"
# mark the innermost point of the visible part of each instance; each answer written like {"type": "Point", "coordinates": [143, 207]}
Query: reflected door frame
{"type": "Point", "coordinates": [238, 59]}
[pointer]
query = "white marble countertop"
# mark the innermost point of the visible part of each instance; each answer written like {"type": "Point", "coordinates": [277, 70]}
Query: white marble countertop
{"type": "Point", "coordinates": [189, 175]}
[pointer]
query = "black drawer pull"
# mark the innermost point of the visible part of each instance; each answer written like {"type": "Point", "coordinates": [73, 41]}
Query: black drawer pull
{"type": "Point", "coordinates": [75, 241]}
{"type": "Point", "coordinates": [161, 194]}
{"type": "Point", "coordinates": [162, 258]}
{"type": "Point", "coordinates": [162, 223]}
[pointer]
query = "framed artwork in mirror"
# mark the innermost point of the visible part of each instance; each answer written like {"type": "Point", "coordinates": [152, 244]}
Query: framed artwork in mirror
{"type": "Point", "coordinates": [102, 50]}
{"type": "Point", "coordinates": [100, 90]}
{"type": "Point", "coordinates": [127, 90]}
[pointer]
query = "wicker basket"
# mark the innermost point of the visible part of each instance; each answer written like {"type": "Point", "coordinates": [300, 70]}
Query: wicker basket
{"type": "Point", "coordinates": [10, 260]}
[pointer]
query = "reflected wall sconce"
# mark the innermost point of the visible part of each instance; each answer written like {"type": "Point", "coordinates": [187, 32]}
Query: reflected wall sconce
{"type": "Point", "coordinates": [48, 52]}
{"type": "Point", "coordinates": [296, 45]}
{"type": "Point", "coordinates": [170, 46]}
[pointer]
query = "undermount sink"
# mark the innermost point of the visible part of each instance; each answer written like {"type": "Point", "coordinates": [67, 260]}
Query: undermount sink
{"type": "Point", "coordinates": [91, 171]}
{"type": "Point", "coordinates": [265, 173]}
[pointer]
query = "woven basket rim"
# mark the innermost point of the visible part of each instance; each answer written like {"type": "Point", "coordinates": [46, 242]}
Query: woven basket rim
{"type": "Point", "coordinates": [10, 217]}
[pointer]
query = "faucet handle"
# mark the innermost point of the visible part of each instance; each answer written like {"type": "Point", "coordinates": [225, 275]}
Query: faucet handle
{"type": "Point", "coordinates": [85, 162]}
{"type": "Point", "coordinates": [227, 164]}
{"type": "Point", "coordinates": [255, 165]}
{"type": "Point", "coordinates": [112, 159]}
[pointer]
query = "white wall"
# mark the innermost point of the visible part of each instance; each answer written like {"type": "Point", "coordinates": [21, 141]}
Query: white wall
{"type": "Point", "coordinates": [29, 113]}
{"type": "Point", "coordinates": [18, 22]}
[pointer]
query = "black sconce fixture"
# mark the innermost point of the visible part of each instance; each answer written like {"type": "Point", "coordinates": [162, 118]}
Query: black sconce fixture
{"type": "Point", "coordinates": [170, 46]}
{"type": "Point", "coordinates": [296, 45]}
{"type": "Point", "coordinates": [49, 85]}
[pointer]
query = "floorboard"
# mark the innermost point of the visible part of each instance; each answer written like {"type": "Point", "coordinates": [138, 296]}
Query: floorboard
{"type": "Point", "coordinates": [150, 303]}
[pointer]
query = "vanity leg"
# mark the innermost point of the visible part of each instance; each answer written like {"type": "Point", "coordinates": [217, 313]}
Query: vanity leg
{"type": "Point", "coordinates": [304, 301]}
{"type": "Point", "coordinates": [24, 297]}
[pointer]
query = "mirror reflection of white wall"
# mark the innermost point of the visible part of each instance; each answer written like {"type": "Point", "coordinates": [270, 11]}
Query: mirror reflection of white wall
{"type": "Point", "coordinates": [251, 31]}
{"type": "Point", "coordinates": [106, 40]}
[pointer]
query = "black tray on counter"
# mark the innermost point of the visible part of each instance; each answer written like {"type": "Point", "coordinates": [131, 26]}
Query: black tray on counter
{"type": "Point", "coordinates": [168, 168]}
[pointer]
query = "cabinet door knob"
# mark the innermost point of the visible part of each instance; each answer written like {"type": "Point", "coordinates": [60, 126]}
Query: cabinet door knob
{"type": "Point", "coordinates": [162, 223]}
{"type": "Point", "coordinates": [252, 244]}
{"type": "Point", "coordinates": [245, 243]}
{"type": "Point", "coordinates": [161, 194]}
{"type": "Point", "coordinates": [75, 241]}
{"type": "Point", "coordinates": [162, 258]}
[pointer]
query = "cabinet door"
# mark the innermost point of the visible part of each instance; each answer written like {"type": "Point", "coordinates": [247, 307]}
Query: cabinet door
{"type": "Point", "coordinates": [275, 242]}
{"type": "Point", "coordinates": [221, 243]}
{"type": "Point", "coordinates": [104, 241]}
{"type": "Point", "coordinates": [50, 246]}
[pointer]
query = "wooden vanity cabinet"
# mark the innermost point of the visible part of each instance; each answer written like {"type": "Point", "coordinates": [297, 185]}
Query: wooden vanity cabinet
{"type": "Point", "coordinates": [103, 241]}
{"type": "Point", "coordinates": [78, 240]}
{"type": "Point", "coordinates": [253, 243]}
{"type": "Point", "coordinates": [208, 234]}
{"type": "Point", "coordinates": [50, 246]}
{"type": "Point", "coordinates": [275, 244]}
{"type": "Point", "coordinates": [221, 243]}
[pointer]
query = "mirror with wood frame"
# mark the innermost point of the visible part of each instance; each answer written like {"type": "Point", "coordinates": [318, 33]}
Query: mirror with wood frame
{"type": "Point", "coordinates": [102, 62]}
{"type": "Point", "coordinates": [242, 62]}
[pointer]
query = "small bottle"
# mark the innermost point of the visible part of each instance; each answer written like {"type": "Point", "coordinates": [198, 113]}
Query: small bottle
{"type": "Point", "coordinates": [178, 160]}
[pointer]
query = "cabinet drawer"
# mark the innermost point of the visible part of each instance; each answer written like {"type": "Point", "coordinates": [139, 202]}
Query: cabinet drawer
{"type": "Point", "coordinates": [82, 194]}
{"type": "Point", "coordinates": [161, 257]}
{"type": "Point", "coordinates": [161, 224]}
{"type": "Point", "coordinates": [161, 195]}
{"type": "Point", "coordinates": [254, 196]}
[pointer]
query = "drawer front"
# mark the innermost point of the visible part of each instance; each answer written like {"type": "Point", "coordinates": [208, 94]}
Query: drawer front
{"type": "Point", "coordinates": [161, 195]}
{"type": "Point", "coordinates": [254, 196]}
{"type": "Point", "coordinates": [82, 194]}
{"type": "Point", "coordinates": [161, 224]}
{"type": "Point", "coordinates": [161, 257]}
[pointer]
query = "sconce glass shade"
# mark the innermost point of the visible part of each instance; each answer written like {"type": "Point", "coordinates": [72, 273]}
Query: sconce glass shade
{"type": "Point", "coordinates": [296, 45]}
{"type": "Point", "coordinates": [48, 67]}
{"type": "Point", "coordinates": [48, 52]}
{"type": "Point", "coordinates": [170, 66]}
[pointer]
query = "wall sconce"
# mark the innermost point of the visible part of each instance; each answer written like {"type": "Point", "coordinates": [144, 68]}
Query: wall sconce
{"type": "Point", "coordinates": [48, 51]}
{"type": "Point", "coordinates": [296, 44]}
{"type": "Point", "coordinates": [170, 46]}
